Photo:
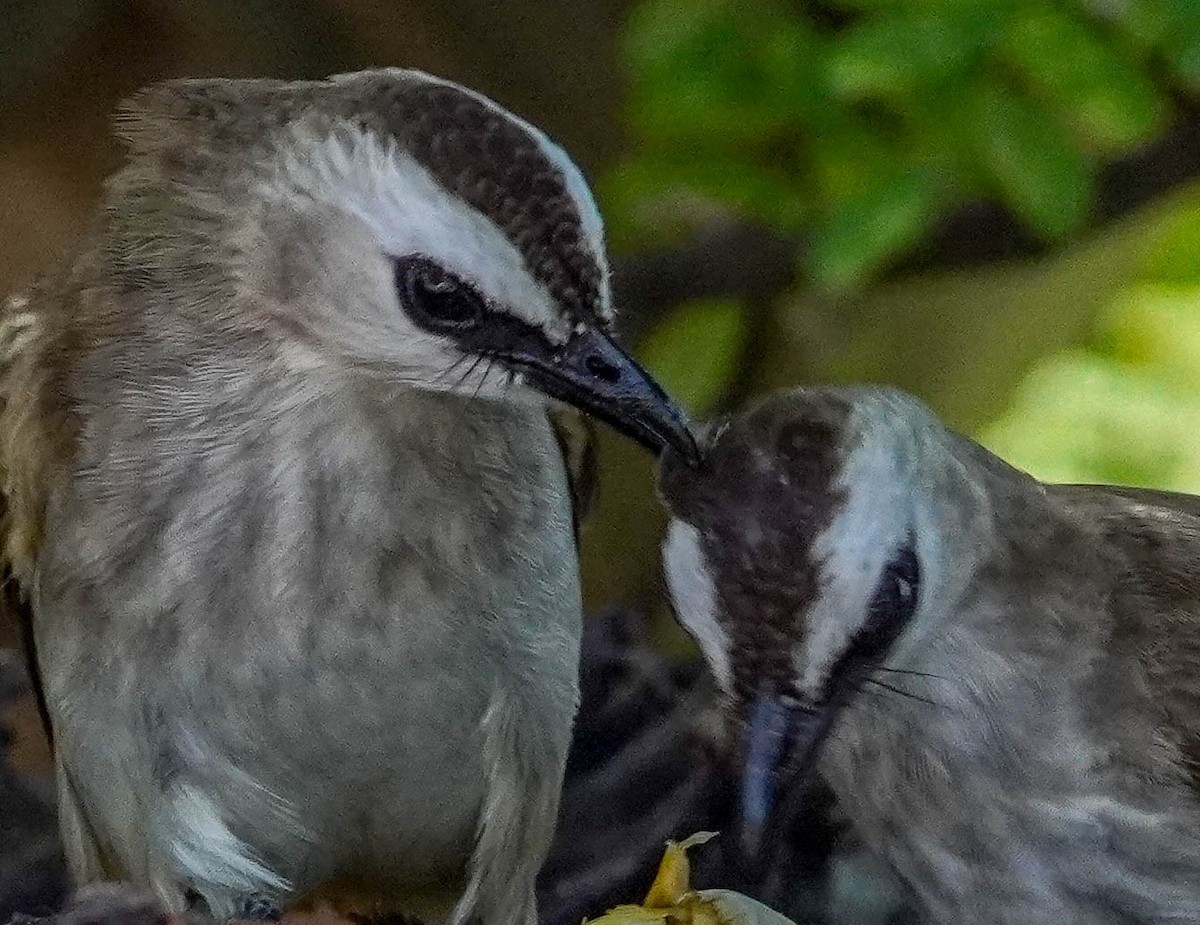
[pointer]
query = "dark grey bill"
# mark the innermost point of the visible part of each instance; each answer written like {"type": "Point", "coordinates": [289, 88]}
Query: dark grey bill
{"type": "Point", "coordinates": [782, 742]}
{"type": "Point", "coordinates": [592, 373]}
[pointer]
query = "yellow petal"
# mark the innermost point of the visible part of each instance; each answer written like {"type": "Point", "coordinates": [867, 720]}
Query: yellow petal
{"type": "Point", "coordinates": [671, 883]}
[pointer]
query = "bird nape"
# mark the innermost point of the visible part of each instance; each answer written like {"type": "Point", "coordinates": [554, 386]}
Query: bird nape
{"type": "Point", "coordinates": [994, 675]}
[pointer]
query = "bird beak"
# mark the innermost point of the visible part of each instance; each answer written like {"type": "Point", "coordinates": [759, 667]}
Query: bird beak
{"type": "Point", "coordinates": [783, 739]}
{"type": "Point", "coordinates": [592, 373]}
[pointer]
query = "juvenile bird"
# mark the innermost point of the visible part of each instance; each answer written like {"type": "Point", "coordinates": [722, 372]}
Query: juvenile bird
{"type": "Point", "coordinates": [998, 677]}
{"type": "Point", "coordinates": [284, 501]}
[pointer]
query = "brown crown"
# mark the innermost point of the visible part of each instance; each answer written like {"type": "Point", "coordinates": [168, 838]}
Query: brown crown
{"type": "Point", "coordinates": [489, 160]}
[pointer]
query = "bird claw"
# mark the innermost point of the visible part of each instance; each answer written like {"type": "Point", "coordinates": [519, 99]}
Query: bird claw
{"type": "Point", "coordinates": [260, 908]}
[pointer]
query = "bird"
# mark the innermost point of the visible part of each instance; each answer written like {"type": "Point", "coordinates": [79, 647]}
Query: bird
{"type": "Point", "coordinates": [999, 678]}
{"type": "Point", "coordinates": [291, 449]}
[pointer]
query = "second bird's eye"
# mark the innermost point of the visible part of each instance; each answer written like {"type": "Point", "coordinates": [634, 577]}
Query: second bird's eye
{"type": "Point", "coordinates": [893, 605]}
{"type": "Point", "coordinates": [435, 298]}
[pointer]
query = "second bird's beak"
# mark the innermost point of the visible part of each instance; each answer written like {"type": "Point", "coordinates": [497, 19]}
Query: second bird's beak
{"type": "Point", "coordinates": [782, 742]}
{"type": "Point", "coordinates": [592, 373]}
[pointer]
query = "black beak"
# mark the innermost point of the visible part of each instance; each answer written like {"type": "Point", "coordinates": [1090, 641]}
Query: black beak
{"type": "Point", "coordinates": [782, 742]}
{"type": "Point", "coordinates": [592, 373]}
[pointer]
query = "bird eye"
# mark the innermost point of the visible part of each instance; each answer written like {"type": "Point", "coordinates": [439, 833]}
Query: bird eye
{"type": "Point", "coordinates": [435, 298]}
{"type": "Point", "coordinates": [893, 605]}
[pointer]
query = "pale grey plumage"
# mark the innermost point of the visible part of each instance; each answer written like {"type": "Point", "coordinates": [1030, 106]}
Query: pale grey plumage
{"type": "Point", "coordinates": [1048, 772]}
{"type": "Point", "coordinates": [302, 575]}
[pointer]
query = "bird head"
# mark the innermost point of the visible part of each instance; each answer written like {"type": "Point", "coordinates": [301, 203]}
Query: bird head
{"type": "Point", "coordinates": [800, 555]}
{"type": "Point", "coordinates": [388, 222]}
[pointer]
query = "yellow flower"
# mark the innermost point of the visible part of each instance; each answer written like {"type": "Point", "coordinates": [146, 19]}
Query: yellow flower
{"type": "Point", "coordinates": [672, 900]}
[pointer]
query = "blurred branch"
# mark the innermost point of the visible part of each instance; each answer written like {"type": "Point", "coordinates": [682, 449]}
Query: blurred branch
{"type": "Point", "coordinates": [1170, 161]}
{"type": "Point", "coordinates": [724, 259]}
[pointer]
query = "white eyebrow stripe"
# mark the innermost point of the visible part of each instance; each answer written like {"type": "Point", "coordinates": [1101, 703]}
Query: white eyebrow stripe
{"type": "Point", "coordinates": [873, 521]}
{"type": "Point", "coordinates": [409, 212]}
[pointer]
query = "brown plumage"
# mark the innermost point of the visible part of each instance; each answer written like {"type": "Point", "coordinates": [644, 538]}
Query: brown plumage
{"type": "Point", "coordinates": [999, 678]}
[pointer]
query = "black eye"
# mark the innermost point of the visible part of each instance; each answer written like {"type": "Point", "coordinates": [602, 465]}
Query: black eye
{"type": "Point", "coordinates": [435, 298]}
{"type": "Point", "coordinates": [893, 605]}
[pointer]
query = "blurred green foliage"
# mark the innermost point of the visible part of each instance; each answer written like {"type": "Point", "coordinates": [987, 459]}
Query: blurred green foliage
{"type": "Point", "coordinates": [859, 122]}
{"type": "Point", "coordinates": [857, 125]}
{"type": "Point", "coordinates": [1124, 407]}
{"type": "Point", "coordinates": [694, 352]}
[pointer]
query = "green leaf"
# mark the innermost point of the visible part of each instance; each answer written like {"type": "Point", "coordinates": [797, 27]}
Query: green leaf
{"type": "Point", "coordinates": [873, 227]}
{"type": "Point", "coordinates": [775, 112]}
{"type": "Point", "coordinates": [794, 67]}
{"type": "Point", "coordinates": [718, 74]}
{"type": "Point", "coordinates": [1125, 408]}
{"type": "Point", "coordinates": [1145, 23]}
{"type": "Point", "coordinates": [894, 55]}
{"type": "Point", "coordinates": [694, 352]}
{"type": "Point", "coordinates": [663, 35]}
{"type": "Point", "coordinates": [848, 158]}
{"type": "Point", "coordinates": [1181, 40]}
{"type": "Point", "coordinates": [1094, 87]}
{"type": "Point", "coordinates": [1032, 165]}
{"type": "Point", "coordinates": [1185, 61]}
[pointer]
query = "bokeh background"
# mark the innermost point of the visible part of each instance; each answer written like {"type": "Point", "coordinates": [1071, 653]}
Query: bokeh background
{"type": "Point", "coordinates": [994, 204]}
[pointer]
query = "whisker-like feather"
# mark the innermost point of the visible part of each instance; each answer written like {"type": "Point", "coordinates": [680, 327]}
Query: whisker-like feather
{"type": "Point", "coordinates": [915, 674]}
{"type": "Point", "coordinates": [899, 691]}
{"type": "Point", "coordinates": [470, 371]}
{"type": "Point", "coordinates": [487, 370]}
{"type": "Point", "coordinates": [451, 368]}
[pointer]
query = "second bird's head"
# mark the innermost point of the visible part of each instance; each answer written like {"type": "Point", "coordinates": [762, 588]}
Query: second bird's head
{"type": "Point", "coordinates": [823, 544]}
{"type": "Point", "coordinates": [388, 220]}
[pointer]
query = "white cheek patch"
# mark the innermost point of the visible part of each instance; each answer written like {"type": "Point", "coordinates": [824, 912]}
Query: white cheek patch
{"type": "Point", "coordinates": [409, 212]}
{"type": "Point", "coordinates": [694, 597]}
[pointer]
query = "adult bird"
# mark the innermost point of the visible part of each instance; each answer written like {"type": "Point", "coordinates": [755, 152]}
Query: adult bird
{"type": "Point", "coordinates": [285, 504]}
{"type": "Point", "coordinates": [998, 677]}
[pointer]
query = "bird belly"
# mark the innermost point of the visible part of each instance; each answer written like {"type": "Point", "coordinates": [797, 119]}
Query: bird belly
{"type": "Point", "coordinates": [294, 694]}
{"type": "Point", "coordinates": [385, 788]}
{"type": "Point", "coordinates": [358, 774]}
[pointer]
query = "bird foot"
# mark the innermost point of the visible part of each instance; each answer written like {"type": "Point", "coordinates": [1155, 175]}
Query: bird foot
{"type": "Point", "coordinates": [260, 908]}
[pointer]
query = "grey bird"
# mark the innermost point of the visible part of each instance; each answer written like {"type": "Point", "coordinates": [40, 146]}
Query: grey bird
{"type": "Point", "coordinates": [285, 504]}
{"type": "Point", "coordinates": [998, 677]}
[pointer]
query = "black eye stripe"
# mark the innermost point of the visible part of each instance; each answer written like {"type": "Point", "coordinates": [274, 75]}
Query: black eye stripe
{"type": "Point", "coordinates": [434, 298]}
{"type": "Point", "coordinates": [442, 303]}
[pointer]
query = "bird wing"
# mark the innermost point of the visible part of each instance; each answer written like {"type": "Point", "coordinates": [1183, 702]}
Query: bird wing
{"type": "Point", "coordinates": [39, 336]}
{"type": "Point", "coordinates": [22, 489]}
{"type": "Point", "coordinates": [1157, 533]}
{"type": "Point", "coordinates": [34, 440]}
{"type": "Point", "coordinates": [576, 436]}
